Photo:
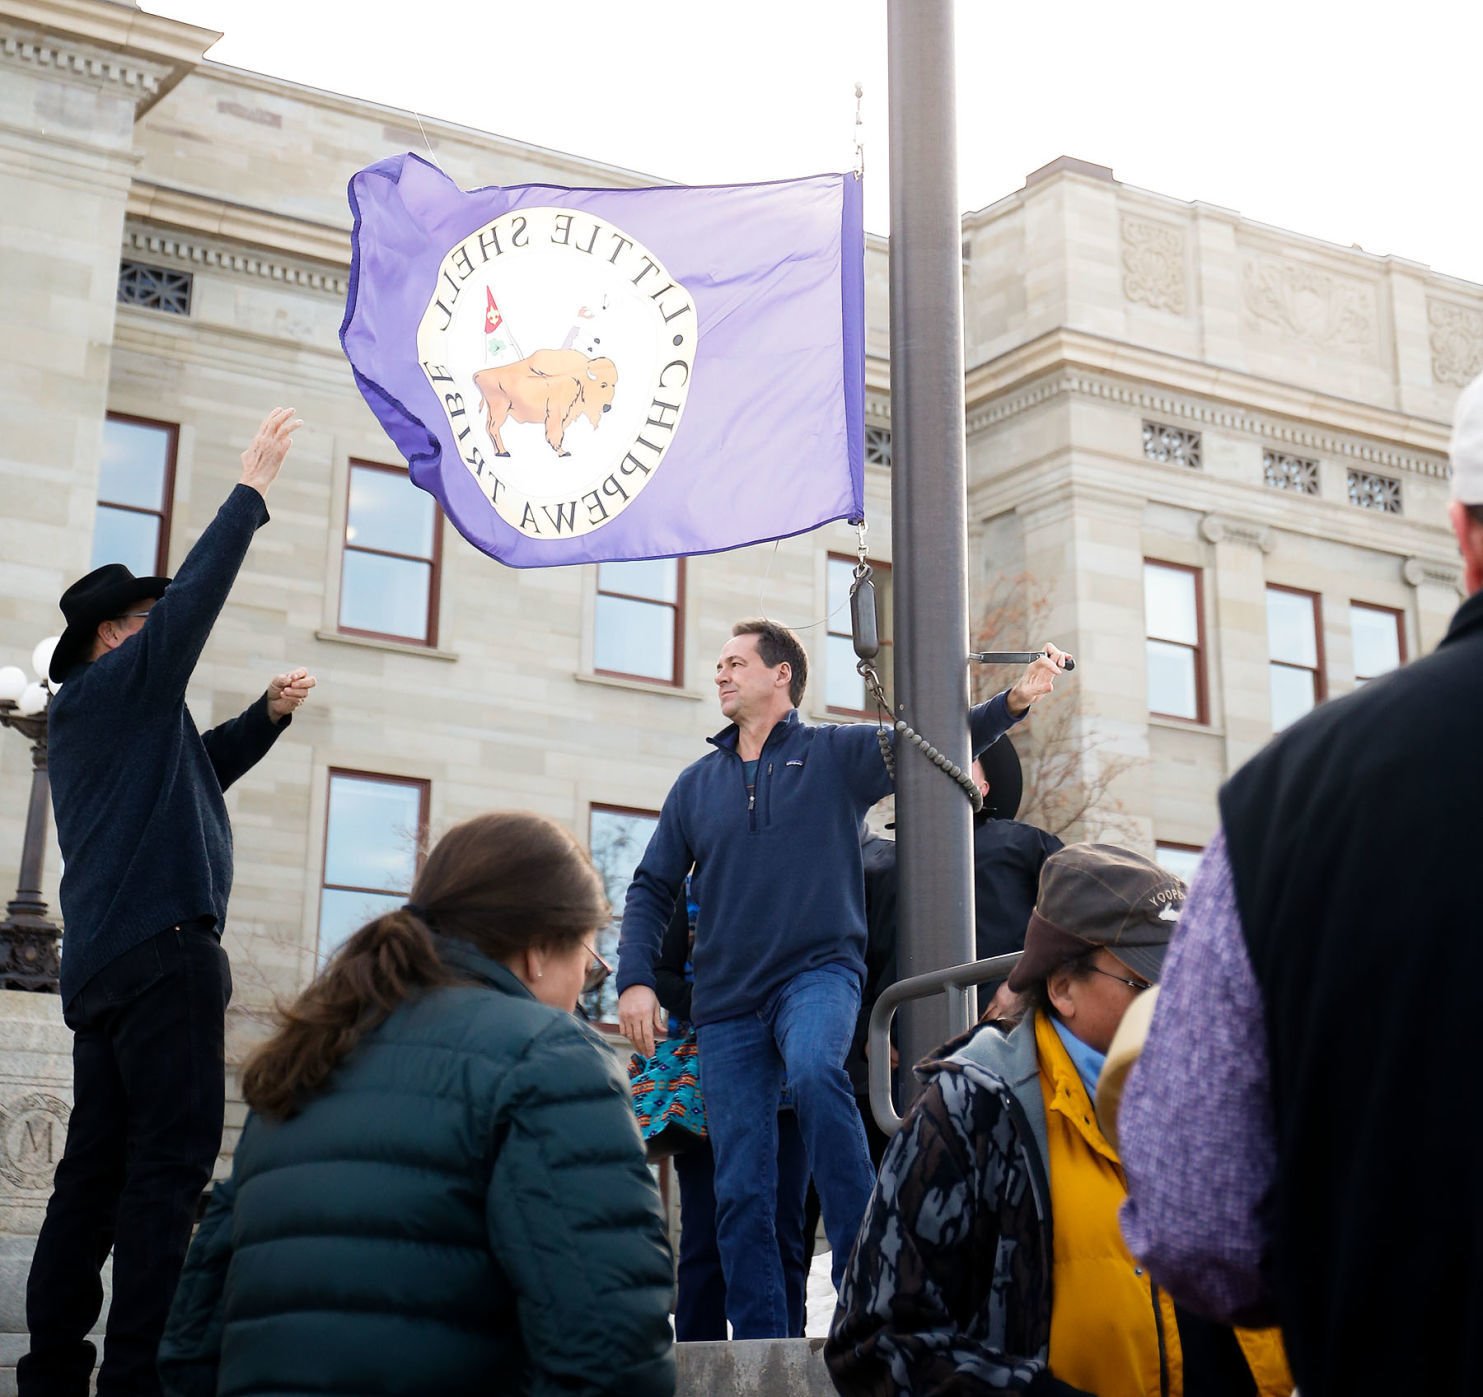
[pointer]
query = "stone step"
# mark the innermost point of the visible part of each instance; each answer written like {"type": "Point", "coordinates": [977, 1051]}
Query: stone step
{"type": "Point", "coordinates": [753, 1368]}
{"type": "Point", "coordinates": [742, 1368]}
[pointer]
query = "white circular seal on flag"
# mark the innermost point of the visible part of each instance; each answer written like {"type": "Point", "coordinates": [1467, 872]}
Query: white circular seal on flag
{"type": "Point", "coordinates": [561, 351]}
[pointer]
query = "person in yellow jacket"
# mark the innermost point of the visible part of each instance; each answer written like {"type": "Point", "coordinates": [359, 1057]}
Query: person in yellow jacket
{"type": "Point", "coordinates": [990, 1258]}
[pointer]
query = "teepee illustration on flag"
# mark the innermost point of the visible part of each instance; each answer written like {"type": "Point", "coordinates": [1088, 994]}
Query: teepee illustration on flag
{"type": "Point", "coordinates": [498, 336]}
{"type": "Point", "coordinates": [586, 330]}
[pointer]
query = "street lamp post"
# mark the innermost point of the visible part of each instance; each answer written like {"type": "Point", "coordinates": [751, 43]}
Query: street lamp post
{"type": "Point", "coordinates": [30, 942]}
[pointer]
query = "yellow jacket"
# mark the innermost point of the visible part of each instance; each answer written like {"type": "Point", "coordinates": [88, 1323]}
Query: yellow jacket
{"type": "Point", "coordinates": [1112, 1331]}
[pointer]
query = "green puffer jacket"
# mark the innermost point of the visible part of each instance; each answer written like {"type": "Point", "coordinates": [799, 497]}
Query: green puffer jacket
{"type": "Point", "coordinates": [464, 1209]}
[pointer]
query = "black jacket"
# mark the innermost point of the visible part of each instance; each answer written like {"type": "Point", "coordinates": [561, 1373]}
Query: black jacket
{"type": "Point", "coordinates": [137, 790]}
{"type": "Point", "coordinates": [1353, 840]}
{"type": "Point", "coordinates": [1007, 859]}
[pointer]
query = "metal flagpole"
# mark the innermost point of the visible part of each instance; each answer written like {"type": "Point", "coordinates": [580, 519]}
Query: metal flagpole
{"type": "Point", "coordinates": [928, 511]}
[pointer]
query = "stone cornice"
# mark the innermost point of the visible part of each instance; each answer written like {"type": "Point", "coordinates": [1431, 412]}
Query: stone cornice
{"type": "Point", "coordinates": [151, 245]}
{"type": "Point", "coordinates": [1068, 362]}
{"type": "Point", "coordinates": [140, 79]}
{"type": "Point", "coordinates": [203, 217]}
{"type": "Point", "coordinates": [104, 42]}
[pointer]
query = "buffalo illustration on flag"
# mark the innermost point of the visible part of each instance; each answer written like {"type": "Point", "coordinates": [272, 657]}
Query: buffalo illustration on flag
{"type": "Point", "coordinates": [586, 375]}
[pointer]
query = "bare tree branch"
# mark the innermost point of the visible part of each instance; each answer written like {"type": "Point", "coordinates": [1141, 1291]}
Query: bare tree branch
{"type": "Point", "coordinates": [1068, 789]}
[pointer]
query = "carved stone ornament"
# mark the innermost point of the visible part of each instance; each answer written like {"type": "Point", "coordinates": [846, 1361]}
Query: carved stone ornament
{"type": "Point", "coordinates": [1430, 572]}
{"type": "Point", "coordinates": [1456, 342]}
{"type": "Point", "coordinates": [1153, 264]}
{"type": "Point", "coordinates": [1222, 528]}
{"type": "Point", "coordinates": [32, 1133]}
{"type": "Point", "coordinates": [1307, 303]}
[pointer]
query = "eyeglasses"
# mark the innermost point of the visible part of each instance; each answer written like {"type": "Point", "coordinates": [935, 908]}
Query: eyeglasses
{"type": "Point", "coordinates": [1137, 986]}
{"type": "Point", "coordinates": [597, 972]}
{"type": "Point", "coordinates": [132, 616]}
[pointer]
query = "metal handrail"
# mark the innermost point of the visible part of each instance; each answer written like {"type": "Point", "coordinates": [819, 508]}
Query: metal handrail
{"type": "Point", "coordinates": [960, 983]}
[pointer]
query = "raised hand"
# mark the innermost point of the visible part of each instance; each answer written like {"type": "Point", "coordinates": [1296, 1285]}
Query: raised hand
{"type": "Point", "coordinates": [286, 692]}
{"type": "Point", "coordinates": [263, 459]}
{"type": "Point", "coordinates": [1038, 680]}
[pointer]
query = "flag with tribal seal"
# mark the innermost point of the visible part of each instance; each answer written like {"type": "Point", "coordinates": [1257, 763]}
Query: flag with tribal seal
{"type": "Point", "coordinates": [590, 375]}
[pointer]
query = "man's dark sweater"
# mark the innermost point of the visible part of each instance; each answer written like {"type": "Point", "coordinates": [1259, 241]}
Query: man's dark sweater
{"type": "Point", "coordinates": [778, 873]}
{"type": "Point", "coordinates": [137, 791]}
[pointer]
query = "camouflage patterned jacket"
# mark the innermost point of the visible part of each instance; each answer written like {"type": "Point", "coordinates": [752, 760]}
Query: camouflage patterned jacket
{"type": "Point", "coordinates": [949, 1287]}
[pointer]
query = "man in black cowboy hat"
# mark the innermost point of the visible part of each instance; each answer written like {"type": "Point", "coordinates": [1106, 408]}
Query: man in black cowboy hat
{"type": "Point", "coordinates": [143, 830]}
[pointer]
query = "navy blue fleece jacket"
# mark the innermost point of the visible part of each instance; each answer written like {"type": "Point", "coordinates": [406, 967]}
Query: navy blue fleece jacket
{"type": "Point", "coordinates": [136, 789]}
{"type": "Point", "coordinates": [779, 882]}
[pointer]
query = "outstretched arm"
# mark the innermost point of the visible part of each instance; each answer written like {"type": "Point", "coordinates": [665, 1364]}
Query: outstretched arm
{"type": "Point", "coordinates": [988, 722]}
{"type": "Point", "coordinates": [236, 746]}
{"type": "Point", "coordinates": [157, 662]}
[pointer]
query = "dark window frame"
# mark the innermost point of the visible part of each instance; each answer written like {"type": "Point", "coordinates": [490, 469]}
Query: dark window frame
{"type": "Point", "coordinates": [424, 805]}
{"type": "Point", "coordinates": [435, 581]}
{"type": "Point", "coordinates": [885, 662]}
{"type": "Point", "coordinates": [166, 513]}
{"type": "Point", "coordinates": [1320, 673]}
{"type": "Point", "coordinates": [1202, 687]}
{"type": "Point", "coordinates": [677, 674]}
{"type": "Point", "coordinates": [1398, 616]}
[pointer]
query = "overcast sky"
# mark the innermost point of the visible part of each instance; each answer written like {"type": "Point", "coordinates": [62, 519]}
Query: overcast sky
{"type": "Point", "coordinates": [1358, 123]}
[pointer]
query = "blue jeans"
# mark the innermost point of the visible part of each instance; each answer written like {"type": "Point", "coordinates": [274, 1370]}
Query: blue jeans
{"type": "Point", "coordinates": [700, 1283]}
{"type": "Point", "coordinates": [149, 1092]}
{"type": "Point", "coordinates": [803, 1032]}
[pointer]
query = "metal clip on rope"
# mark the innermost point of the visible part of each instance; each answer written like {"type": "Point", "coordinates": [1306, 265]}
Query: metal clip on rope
{"type": "Point", "coordinates": [867, 647]}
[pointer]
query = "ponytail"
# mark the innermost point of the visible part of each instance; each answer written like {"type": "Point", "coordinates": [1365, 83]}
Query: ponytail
{"type": "Point", "coordinates": [386, 962]}
{"type": "Point", "coordinates": [502, 883]}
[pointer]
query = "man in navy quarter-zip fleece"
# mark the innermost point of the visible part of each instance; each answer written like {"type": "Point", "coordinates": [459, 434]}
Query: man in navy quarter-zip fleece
{"type": "Point", "coordinates": [142, 826]}
{"type": "Point", "coordinates": [770, 821]}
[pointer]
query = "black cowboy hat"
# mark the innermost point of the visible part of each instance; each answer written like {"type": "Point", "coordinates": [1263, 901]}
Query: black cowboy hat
{"type": "Point", "coordinates": [1001, 764]}
{"type": "Point", "coordinates": [104, 593]}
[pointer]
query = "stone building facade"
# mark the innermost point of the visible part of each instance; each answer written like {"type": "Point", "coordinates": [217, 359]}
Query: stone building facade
{"type": "Point", "coordinates": [1187, 433]}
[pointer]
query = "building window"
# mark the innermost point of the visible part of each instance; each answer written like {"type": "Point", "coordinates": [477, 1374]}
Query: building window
{"type": "Point", "coordinates": [844, 689]}
{"type": "Point", "coordinates": [617, 838]}
{"type": "Point", "coordinates": [372, 841]}
{"type": "Point", "coordinates": [878, 446]}
{"type": "Point", "coordinates": [136, 482]}
{"type": "Point", "coordinates": [1379, 640]}
{"type": "Point", "coordinates": [1295, 473]}
{"type": "Point", "coordinates": [1179, 859]}
{"type": "Point", "coordinates": [1171, 445]}
{"type": "Point", "coordinates": [393, 553]}
{"type": "Point", "coordinates": [1378, 492]}
{"type": "Point", "coordinates": [1295, 654]}
{"type": "Point", "coordinates": [154, 288]}
{"type": "Point", "coordinates": [1175, 641]}
{"type": "Point", "coordinates": [640, 612]}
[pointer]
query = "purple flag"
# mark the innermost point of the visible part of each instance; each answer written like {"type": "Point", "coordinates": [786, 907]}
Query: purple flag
{"type": "Point", "coordinates": [586, 375]}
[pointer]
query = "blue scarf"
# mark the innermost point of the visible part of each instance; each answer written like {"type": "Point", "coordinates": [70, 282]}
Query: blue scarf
{"type": "Point", "coordinates": [1087, 1060]}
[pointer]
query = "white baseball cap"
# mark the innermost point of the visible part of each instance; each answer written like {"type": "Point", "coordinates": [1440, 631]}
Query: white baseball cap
{"type": "Point", "coordinates": [1467, 445]}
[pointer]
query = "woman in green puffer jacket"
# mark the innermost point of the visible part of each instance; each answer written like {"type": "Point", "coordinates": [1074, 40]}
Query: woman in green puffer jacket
{"type": "Point", "coordinates": [441, 1187]}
